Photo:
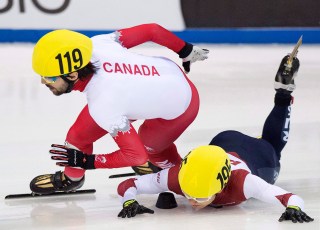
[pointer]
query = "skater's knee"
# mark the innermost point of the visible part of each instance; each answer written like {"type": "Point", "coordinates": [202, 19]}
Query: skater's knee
{"type": "Point", "coordinates": [77, 140]}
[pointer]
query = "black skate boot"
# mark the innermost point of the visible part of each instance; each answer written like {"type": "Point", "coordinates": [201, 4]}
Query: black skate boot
{"type": "Point", "coordinates": [147, 168]}
{"type": "Point", "coordinates": [51, 183]}
{"type": "Point", "coordinates": [284, 81]}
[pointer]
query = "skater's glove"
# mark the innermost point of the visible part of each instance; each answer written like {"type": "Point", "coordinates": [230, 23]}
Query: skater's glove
{"type": "Point", "coordinates": [295, 214]}
{"type": "Point", "coordinates": [131, 208]}
{"type": "Point", "coordinates": [190, 53]}
{"type": "Point", "coordinates": [71, 157]}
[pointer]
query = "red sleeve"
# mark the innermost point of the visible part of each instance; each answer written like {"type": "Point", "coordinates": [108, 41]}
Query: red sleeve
{"type": "Point", "coordinates": [131, 153]}
{"type": "Point", "coordinates": [125, 185]}
{"type": "Point", "coordinates": [284, 198]}
{"type": "Point", "coordinates": [137, 35]}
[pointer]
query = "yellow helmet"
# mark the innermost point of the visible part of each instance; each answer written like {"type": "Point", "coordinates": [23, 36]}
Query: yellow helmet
{"type": "Point", "coordinates": [61, 52]}
{"type": "Point", "coordinates": [204, 172]}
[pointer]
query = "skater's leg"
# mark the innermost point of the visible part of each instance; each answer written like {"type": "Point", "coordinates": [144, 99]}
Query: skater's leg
{"type": "Point", "coordinates": [158, 135]}
{"type": "Point", "coordinates": [277, 124]}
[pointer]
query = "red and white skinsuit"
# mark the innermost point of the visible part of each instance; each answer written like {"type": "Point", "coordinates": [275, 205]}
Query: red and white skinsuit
{"type": "Point", "coordinates": [241, 186]}
{"type": "Point", "coordinates": [129, 87]}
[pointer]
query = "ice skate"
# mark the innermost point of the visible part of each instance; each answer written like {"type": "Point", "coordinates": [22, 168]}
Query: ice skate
{"type": "Point", "coordinates": [147, 168]}
{"type": "Point", "coordinates": [284, 80]}
{"type": "Point", "coordinates": [289, 66]}
{"type": "Point", "coordinates": [51, 183]}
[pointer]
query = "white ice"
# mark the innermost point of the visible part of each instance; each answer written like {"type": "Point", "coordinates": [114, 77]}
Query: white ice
{"type": "Point", "coordinates": [236, 90]}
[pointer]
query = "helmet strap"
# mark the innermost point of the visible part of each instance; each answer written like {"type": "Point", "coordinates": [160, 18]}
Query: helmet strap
{"type": "Point", "coordinates": [70, 83]}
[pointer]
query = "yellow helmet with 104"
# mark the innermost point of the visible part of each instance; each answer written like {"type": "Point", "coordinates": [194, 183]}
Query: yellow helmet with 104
{"type": "Point", "coordinates": [205, 171]}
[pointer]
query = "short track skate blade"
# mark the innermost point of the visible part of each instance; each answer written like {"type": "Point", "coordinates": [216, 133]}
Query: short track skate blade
{"type": "Point", "coordinates": [295, 50]}
{"type": "Point", "coordinates": [33, 195]}
{"type": "Point", "coordinates": [122, 175]}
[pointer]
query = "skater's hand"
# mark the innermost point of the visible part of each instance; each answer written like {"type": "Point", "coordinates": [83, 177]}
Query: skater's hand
{"type": "Point", "coordinates": [191, 54]}
{"type": "Point", "coordinates": [71, 157]}
{"type": "Point", "coordinates": [131, 208]}
{"type": "Point", "coordinates": [295, 214]}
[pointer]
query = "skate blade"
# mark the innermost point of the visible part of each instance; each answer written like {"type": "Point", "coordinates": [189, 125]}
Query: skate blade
{"type": "Point", "coordinates": [34, 195]}
{"type": "Point", "coordinates": [294, 52]}
{"type": "Point", "coordinates": [122, 175]}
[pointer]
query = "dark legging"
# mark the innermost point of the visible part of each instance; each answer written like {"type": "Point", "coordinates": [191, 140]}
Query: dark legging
{"type": "Point", "coordinates": [262, 155]}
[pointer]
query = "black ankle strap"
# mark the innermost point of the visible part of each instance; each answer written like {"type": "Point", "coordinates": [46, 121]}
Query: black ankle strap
{"type": "Point", "coordinates": [57, 178]}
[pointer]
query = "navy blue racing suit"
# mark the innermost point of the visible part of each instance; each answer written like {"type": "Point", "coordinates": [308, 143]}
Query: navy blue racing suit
{"type": "Point", "coordinates": [262, 155]}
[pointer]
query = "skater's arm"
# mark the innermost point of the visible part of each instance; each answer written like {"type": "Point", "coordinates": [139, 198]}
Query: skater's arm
{"type": "Point", "coordinates": [147, 184]}
{"type": "Point", "coordinates": [153, 32]}
{"type": "Point", "coordinates": [131, 153]}
{"type": "Point", "coordinates": [259, 189]}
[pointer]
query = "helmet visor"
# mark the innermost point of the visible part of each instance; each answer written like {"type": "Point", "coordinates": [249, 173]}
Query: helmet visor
{"type": "Point", "coordinates": [49, 80]}
{"type": "Point", "coordinates": [199, 200]}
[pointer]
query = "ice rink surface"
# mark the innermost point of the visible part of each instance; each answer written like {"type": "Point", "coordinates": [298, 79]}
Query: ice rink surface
{"type": "Point", "coordinates": [236, 90]}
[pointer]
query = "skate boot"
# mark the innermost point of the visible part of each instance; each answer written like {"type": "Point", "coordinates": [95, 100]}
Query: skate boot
{"type": "Point", "coordinates": [284, 81]}
{"type": "Point", "coordinates": [51, 183]}
{"type": "Point", "coordinates": [147, 168]}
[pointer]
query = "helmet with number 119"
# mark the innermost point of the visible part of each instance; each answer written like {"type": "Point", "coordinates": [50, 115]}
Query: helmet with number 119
{"type": "Point", "coordinates": [61, 52]}
{"type": "Point", "coordinates": [204, 172]}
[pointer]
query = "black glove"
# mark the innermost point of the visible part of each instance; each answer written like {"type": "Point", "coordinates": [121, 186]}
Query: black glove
{"type": "Point", "coordinates": [71, 157]}
{"type": "Point", "coordinates": [295, 214]}
{"type": "Point", "coordinates": [190, 53]}
{"type": "Point", "coordinates": [131, 208]}
{"type": "Point", "coordinates": [147, 168]}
